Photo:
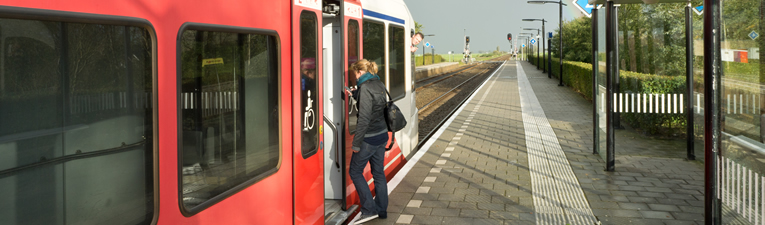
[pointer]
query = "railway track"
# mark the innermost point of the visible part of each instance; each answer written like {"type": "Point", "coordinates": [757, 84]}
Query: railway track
{"type": "Point", "coordinates": [439, 100]}
{"type": "Point", "coordinates": [424, 83]}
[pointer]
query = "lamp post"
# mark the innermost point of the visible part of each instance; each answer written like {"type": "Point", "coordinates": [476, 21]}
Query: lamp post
{"type": "Point", "coordinates": [543, 38]}
{"type": "Point", "coordinates": [538, 44]}
{"type": "Point", "coordinates": [523, 42]}
{"type": "Point", "coordinates": [423, 46]}
{"type": "Point", "coordinates": [560, 32]}
{"type": "Point", "coordinates": [529, 35]}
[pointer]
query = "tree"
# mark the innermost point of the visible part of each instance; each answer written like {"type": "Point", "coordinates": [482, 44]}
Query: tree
{"type": "Point", "coordinates": [417, 27]}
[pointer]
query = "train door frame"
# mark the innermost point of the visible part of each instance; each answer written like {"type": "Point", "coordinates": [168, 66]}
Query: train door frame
{"type": "Point", "coordinates": [308, 176]}
{"type": "Point", "coordinates": [333, 51]}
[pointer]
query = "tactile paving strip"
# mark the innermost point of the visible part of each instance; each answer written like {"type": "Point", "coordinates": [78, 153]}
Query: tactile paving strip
{"type": "Point", "coordinates": [558, 197]}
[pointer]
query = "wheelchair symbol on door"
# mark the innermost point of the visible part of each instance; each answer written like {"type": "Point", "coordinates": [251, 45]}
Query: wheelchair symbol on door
{"type": "Point", "coordinates": [309, 120]}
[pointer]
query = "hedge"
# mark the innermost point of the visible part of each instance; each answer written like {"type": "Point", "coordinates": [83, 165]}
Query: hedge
{"type": "Point", "coordinates": [579, 78]}
{"type": "Point", "coordinates": [428, 59]}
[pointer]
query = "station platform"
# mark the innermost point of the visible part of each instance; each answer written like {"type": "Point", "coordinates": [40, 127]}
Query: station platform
{"type": "Point", "coordinates": [422, 72]}
{"type": "Point", "coordinates": [520, 152]}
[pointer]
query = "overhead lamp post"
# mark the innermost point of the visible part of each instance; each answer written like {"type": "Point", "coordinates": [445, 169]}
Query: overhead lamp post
{"type": "Point", "coordinates": [423, 46]}
{"type": "Point", "coordinates": [538, 44]}
{"type": "Point", "coordinates": [560, 32]}
{"type": "Point", "coordinates": [523, 42]}
{"type": "Point", "coordinates": [543, 37]}
{"type": "Point", "coordinates": [527, 45]}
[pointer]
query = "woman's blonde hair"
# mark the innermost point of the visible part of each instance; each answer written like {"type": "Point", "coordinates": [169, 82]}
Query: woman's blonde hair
{"type": "Point", "coordinates": [364, 65]}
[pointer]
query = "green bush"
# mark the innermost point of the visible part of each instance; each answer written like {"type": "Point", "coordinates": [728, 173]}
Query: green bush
{"type": "Point", "coordinates": [578, 76]}
{"type": "Point", "coordinates": [428, 59]}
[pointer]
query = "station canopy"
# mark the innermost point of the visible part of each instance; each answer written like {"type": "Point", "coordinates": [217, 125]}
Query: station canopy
{"type": "Point", "coordinates": [600, 2]}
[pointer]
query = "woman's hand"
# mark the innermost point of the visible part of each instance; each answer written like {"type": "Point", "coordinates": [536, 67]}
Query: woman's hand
{"type": "Point", "coordinates": [354, 151]}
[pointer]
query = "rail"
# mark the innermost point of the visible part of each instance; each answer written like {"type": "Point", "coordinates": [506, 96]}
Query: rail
{"type": "Point", "coordinates": [337, 150]}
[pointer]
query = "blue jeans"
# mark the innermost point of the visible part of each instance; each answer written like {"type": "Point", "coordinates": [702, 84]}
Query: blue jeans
{"type": "Point", "coordinates": [375, 155]}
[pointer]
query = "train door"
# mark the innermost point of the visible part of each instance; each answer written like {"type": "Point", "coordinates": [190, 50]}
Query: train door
{"type": "Point", "coordinates": [352, 22]}
{"type": "Point", "coordinates": [307, 133]}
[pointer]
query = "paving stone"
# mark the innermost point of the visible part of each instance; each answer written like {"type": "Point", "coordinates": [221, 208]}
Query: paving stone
{"type": "Point", "coordinates": [405, 219]}
{"type": "Point", "coordinates": [445, 212]}
{"type": "Point", "coordinates": [633, 206]}
{"type": "Point", "coordinates": [417, 211]}
{"type": "Point", "coordinates": [662, 207]}
{"type": "Point", "coordinates": [421, 219]}
{"type": "Point", "coordinates": [474, 213]}
{"type": "Point", "coordinates": [656, 215]}
{"type": "Point", "coordinates": [462, 205]}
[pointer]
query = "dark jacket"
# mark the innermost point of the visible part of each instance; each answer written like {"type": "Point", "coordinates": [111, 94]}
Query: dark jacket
{"type": "Point", "coordinates": [371, 102]}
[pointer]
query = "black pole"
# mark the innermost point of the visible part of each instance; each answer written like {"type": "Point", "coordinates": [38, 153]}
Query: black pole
{"type": "Point", "coordinates": [549, 58]}
{"type": "Point", "coordinates": [617, 85]}
{"type": "Point", "coordinates": [595, 116]}
{"type": "Point", "coordinates": [560, 27]}
{"type": "Point", "coordinates": [712, 75]}
{"type": "Point", "coordinates": [539, 62]}
{"type": "Point", "coordinates": [609, 86]}
{"type": "Point", "coordinates": [423, 54]}
{"type": "Point", "coordinates": [543, 44]}
{"type": "Point", "coordinates": [689, 82]}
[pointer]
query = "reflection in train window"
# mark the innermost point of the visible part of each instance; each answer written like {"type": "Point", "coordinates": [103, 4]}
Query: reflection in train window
{"type": "Point", "coordinates": [374, 45]}
{"type": "Point", "coordinates": [396, 62]}
{"type": "Point", "coordinates": [76, 124]}
{"type": "Point", "coordinates": [309, 95]}
{"type": "Point", "coordinates": [229, 112]}
{"type": "Point", "coordinates": [353, 56]}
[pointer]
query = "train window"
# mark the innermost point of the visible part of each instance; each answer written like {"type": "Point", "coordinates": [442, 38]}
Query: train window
{"type": "Point", "coordinates": [353, 56]}
{"type": "Point", "coordinates": [229, 112]}
{"type": "Point", "coordinates": [76, 115]}
{"type": "Point", "coordinates": [397, 61]}
{"type": "Point", "coordinates": [374, 45]}
{"type": "Point", "coordinates": [309, 95]}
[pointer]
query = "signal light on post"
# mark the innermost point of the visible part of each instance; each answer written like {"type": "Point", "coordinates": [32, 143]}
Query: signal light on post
{"type": "Point", "coordinates": [467, 39]}
{"type": "Point", "coordinates": [509, 36]}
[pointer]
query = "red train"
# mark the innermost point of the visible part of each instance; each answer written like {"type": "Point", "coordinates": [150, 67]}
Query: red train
{"type": "Point", "coordinates": [190, 112]}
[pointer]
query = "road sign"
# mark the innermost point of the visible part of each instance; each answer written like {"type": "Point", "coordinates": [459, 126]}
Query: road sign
{"type": "Point", "coordinates": [533, 41]}
{"type": "Point", "coordinates": [432, 46]}
{"type": "Point", "coordinates": [523, 45]}
{"type": "Point", "coordinates": [584, 6]}
{"type": "Point", "coordinates": [549, 34]}
{"type": "Point", "coordinates": [427, 44]}
{"type": "Point", "coordinates": [753, 35]}
{"type": "Point", "coordinates": [699, 9]}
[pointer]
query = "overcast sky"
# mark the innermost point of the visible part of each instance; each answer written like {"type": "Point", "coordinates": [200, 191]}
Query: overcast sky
{"type": "Point", "coordinates": [487, 22]}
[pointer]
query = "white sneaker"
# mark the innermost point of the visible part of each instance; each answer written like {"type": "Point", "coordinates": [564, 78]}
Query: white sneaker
{"type": "Point", "coordinates": [364, 219]}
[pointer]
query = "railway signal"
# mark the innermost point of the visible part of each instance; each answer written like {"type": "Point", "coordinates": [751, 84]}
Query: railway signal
{"type": "Point", "coordinates": [467, 39]}
{"type": "Point", "coordinates": [509, 37]}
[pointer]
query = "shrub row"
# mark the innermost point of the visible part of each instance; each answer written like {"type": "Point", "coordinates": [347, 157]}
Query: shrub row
{"type": "Point", "coordinates": [428, 59]}
{"type": "Point", "coordinates": [578, 76]}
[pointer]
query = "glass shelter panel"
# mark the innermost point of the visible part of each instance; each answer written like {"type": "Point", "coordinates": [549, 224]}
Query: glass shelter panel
{"type": "Point", "coordinates": [229, 112]}
{"type": "Point", "coordinates": [76, 123]}
{"type": "Point", "coordinates": [650, 86]}
{"type": "Point", "coordinates": [600, 80]}
{"type": "Point", "coordinates": [741, 169]}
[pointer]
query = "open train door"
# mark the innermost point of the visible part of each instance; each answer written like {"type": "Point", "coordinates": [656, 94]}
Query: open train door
{"type": "Point", "coordinates": [307, 132]}
{"type": "Point", "coordinates": [340, 48]}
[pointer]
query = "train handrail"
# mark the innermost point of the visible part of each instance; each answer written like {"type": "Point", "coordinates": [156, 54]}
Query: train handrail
{"type": "Point", "coordinates": [337, 150]}
{"type": "Point", "coordinates": [67, 158]}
